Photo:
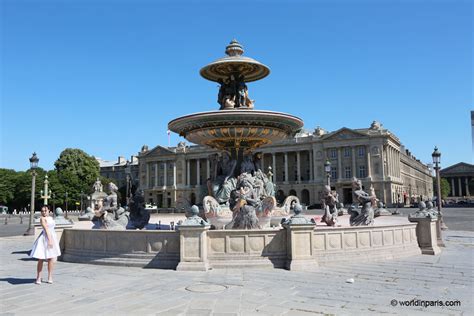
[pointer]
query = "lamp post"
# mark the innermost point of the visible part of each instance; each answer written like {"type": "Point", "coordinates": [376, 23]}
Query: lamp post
{"type": "Point", "coordinates": [439, 224]}
{"type": "Point", "coordinates": [327, 168]}
{"type": "Point", "coordinates": [128, 179]}
{"type": "Point", "coordinates": [33, 165]}
{"type": "Point", "coordinates": [46, 193]}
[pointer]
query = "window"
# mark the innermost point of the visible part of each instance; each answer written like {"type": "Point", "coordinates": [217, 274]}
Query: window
{"type": "Point", "coordinates": [333, 153]}
{"type": "Point", "coordinates": [162, 165]}
{"type": "Point", "coordinates": [362, 172]}
{"type": "Point", "coordinates": [347, 172]}
{"type": "Point", "coordinates": [347, 152]}
{"type": "Point", "coordinates": [361, 151]}
{"type": "Point", "coordinates": [334, 172]}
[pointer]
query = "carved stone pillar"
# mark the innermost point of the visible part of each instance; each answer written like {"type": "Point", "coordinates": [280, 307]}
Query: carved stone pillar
{"type": "Point", "coordinates": [300, 247]}
{"type": "Point", "coordinates": [286, 167]}
{"type": "Point", "coordinates": [453, 189]}
{"type": "Point", "coordinates": [311, 167]}
{"type": "Point", "coordinates": [193, 248]}
{"type": "Point", "coordinates": [459, 186]}
{"type": "Point", "coordinates": [426, 235]}
{"type": "Point", "coordinates": [466, 183]}
{"type": "Point", "coordinates": [208, 168]}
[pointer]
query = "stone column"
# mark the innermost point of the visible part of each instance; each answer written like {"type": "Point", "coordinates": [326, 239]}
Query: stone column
{"type": "Point", "coordinates": [300, 243]}
{"type": "Point", "coordinates": [354, 173]}
{"type": "Point", "coordinates": [459, 186]}
{"type": "Point", "coordinates": [174, 174]}
{"type": "Point", "coordinates": [198, 171]}
{"type": "Point", "coordinates": [453, 190]}
{"type": "Point", "coordinates": [208, 168]}
{"type": "Point", "coordinates": [165, 174]}
{"type": "Point", "coordinates": [339, 164]}
{"type": "Point", "coordinates": [188, 172]}
{"type": "Point", "coordinates": [193, 248]}
{"type": "Point", "coordinates": [298, 167]}
{"type": "Point", "coordinates": [426, 235]}
{"type": "Point", "coordinates": [147, 175]}
{"type": "Point", "coordinates": [286, 167]}
{"type": "Point", "coordinates": [156, 175]}
{"type": "Point", "coordinates": [466, 183]}
{"type": "Point", "coordinates": [311, 167]}
{"type": "Point", "coordinates": [369, 169]}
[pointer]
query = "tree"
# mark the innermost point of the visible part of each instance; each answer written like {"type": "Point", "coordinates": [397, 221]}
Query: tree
{"type": "Point", "coordinates": [7, 186]}
{"type": "Point", "coordinates": [76, 172]}
{"type": "Point", "coordinates": [445, 188]}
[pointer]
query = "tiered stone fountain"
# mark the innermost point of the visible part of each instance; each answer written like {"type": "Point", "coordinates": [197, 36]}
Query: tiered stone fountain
{"type": "Point", "coordinates": [241, 194]}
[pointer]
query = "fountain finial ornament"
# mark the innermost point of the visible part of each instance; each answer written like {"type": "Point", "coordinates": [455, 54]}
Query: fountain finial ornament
{"type": "Point", "coordinates": [234, 48]}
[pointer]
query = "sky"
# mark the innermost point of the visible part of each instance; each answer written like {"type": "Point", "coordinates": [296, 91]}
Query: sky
{"type": "Point", "coordinates": [107, 76]}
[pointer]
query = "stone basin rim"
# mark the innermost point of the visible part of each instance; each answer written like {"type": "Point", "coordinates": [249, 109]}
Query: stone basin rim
{"type": "Point", "coordinates": [231, 115]}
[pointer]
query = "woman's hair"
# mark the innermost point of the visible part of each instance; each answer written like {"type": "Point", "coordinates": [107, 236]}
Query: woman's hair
{"type": "Point", "coordinates": [45, 207]}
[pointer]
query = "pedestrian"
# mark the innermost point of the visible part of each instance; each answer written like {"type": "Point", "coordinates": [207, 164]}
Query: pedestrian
{"type": "Point", "coordinates": [46, 246]}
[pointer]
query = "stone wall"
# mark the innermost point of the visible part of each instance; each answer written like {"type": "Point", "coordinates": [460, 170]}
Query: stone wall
{"type": "Point", "coordinates": [365, 243]}
{"type": "Point", "coordinates": [240, 248]}
{"type": "Point", "coordinates": [151, 249]}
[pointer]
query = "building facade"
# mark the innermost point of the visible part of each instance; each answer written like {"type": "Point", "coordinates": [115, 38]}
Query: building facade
{"type": "Point", "coordinates": [460, 177]}
{"type": "Point", "coordinates": [117, 170]}
{"type": "Point", "coordinates": [374, 154]}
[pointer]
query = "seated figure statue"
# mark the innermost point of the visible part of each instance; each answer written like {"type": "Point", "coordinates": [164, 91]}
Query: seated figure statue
{"type": "Point", "coordinates": [224, 182]}
{"type": "Point", "coordinates": [111, 215]}
{"type": "Point", "coordinates": [244, 203]}
{"type": "Point", "coordinates": [329, 205]}
{"type": "Point", "coordinates": [139, 216]}
{"type": "Point", "coordinates": [365, 215]}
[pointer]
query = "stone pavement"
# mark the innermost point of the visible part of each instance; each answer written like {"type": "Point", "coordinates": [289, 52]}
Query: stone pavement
{"type": "Point", "coordinates": [380, 287]}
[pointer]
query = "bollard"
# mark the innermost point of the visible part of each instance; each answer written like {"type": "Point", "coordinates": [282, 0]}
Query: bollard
{"type": "Point", "coordinates": [21, 219]}
{"type": "Point", "coordinates": [6, 220]}
{"type": "Point", "coordinates": [172, 226]}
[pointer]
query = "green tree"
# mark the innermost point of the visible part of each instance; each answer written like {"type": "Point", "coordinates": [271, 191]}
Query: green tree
{"type": "Point", "coordinates": [445, 188]}
{"type": "Point", "coordinates": [7, 186]}
{"type": "Point", "coordinates": [22, 196]}
{"type": "Point", "coordinates": [76, 172]}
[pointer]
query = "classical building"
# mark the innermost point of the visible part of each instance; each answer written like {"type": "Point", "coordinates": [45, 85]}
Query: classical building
{"type": "Point", "coordinates": [373, 154]}
{"type": "Point", "coordinates": [117, 170]}
{"type": "Point", "coordinates": [459, 177]}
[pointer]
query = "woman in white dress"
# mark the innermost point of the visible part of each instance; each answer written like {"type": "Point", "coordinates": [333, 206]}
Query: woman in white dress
{"type": "Point", "coordinates": [46, 246]}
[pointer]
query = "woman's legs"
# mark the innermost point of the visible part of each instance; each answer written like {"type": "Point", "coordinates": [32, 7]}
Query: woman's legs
{"type": "Point", "coordinates": [50, 269]}
{"type": "Point", "coordinates": [39, 268]}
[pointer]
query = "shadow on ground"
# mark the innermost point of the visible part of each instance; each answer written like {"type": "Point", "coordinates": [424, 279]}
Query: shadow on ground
{"type": "Point", "coordinates": [16, 281]}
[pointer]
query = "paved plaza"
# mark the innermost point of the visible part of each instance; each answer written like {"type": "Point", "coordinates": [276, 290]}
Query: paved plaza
{"type": "Point", "coordinates": [379, 287]}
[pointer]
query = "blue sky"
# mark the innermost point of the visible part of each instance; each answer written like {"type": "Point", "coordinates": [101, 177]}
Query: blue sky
{"type": "Point", "coordinates": [107, 76]}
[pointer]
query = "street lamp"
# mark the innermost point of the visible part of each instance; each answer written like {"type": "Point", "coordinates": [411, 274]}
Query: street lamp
{"type": "Point", "coordinates": [33, 165]}
{"type": "Point", "coordinates": [327, 168]}
{"type": "Point", "coordinates": [439, 224]}
{"type": "Point", "coordinates": [46, 194]}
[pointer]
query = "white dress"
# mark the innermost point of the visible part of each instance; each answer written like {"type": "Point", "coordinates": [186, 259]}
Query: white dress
{"type": "Point", "coordinates": [40, 248]}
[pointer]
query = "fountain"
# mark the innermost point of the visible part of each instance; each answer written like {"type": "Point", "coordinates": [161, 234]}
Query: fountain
{"type": "Point", "coordinates": [241, 198]}
{"type": "Point", "coordinates": [240, 193]}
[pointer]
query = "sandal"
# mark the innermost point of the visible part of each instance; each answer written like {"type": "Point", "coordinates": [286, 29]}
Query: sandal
{"type": "Point", "coordinates": [50, 281]}
{"type": "Point", "coordinates": [38, 282]}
